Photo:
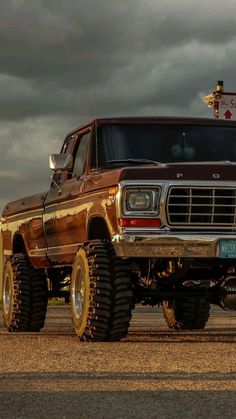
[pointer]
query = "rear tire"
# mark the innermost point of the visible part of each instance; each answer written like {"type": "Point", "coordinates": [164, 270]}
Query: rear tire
{"type": "Point", "coordinates": [191, 313]}
{"type": "Point", "coordinates": [101, 293]}
{"type": "Point", "coordinates": [24, 295]}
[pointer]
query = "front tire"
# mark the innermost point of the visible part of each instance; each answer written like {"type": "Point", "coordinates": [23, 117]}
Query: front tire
{"type": "Point", "coordinates": [24, 295]}
{"type": "Point", "coordinates": [188, 314]}
{"type": "Point", "coordinates": [101, 293]}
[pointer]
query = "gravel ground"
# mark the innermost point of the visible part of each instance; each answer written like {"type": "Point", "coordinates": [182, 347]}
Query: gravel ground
{"type": "Point", "coordinates": [51, 375]}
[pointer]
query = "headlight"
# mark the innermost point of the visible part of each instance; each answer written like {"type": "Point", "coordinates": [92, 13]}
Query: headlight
{"type": "Point", "coordinates": [141, 200]}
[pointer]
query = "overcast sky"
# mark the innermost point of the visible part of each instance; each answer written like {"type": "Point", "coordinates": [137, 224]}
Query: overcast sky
{"type": "Point", "coordinates": [140, 57]}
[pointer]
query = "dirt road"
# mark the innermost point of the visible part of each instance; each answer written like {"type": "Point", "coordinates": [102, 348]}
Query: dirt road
{"type": "Point", "coordinates": [154, 373]}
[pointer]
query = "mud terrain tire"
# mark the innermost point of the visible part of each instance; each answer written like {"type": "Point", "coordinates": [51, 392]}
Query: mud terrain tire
{"type": "Point", "coordinates": [101, 293]}
{"type": "Point", "coordinates": [24, 295]}
{"type": "Point", "coordinates": [191, 313]}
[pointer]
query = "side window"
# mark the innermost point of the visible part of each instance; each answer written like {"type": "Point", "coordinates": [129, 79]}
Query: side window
{"type": "Point", "coordinates": [67, 145]}
{"type": "Point", "coordinates": [81, 155]}
{"type": "Point", "coordinates": [61, 177]}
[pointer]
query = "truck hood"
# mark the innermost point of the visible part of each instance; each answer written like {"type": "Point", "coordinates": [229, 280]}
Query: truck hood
{"type": "Point", "coordinates": [222, 171]}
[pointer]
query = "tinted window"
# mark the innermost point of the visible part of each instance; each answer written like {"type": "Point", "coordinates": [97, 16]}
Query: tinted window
{"type": "Point", "coordinates": [67, 145]}
{"type": "Point", "coordinates": [166, 143]}
{"type": "Point", "coordinates": [81, 156]}
{"type": "Point", "coordinates": [60, 177]}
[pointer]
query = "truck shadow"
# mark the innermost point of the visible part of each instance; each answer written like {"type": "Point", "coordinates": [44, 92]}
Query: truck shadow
{"type": "Point", "coordinates": [117, 395]}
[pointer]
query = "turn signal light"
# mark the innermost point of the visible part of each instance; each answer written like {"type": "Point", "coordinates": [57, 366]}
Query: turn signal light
{"type": "Point", "coordinates": [139, 222]}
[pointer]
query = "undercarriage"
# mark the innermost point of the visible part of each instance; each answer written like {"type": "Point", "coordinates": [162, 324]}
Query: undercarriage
{"type": "Point", "coordinates": [158, 280]}
{"type": "Point", "coordinates": [103, 289]}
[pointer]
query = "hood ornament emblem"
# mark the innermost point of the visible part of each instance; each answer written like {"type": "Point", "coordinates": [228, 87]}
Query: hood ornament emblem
{"type": "Point", "coordinates": [216, 176]}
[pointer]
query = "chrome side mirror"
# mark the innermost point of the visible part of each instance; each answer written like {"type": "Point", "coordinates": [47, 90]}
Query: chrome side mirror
{"type": "Point", "coordinates": [61, 162]}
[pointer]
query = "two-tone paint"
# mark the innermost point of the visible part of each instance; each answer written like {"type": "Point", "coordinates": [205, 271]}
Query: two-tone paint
{"type": "Point", "coordinates": [51, 226]}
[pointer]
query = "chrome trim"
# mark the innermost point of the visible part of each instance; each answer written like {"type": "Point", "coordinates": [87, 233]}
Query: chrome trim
{"type": "Point", "coordinates": [202, 206]}
{"type": "Point", "coordinates": [61, 162]}
{"type": "Point", "coordinates": [155, 193]}
{"type": "Point", "coordinates": [142, 183]}
{"type": "Point", "coordinates": [168, 245]}
{"type": "Point", "coordinates": [78, 292]}
{"type": "Point", "coordinates": [53, 251]}
{"type": "Point", "coordinates": [62, 250]}
{"type": "Point", "coordinates": [38, 252]}
{"type": "Point", "coordinates": [165, 185]}
{"type": "Point", "coordinates": [7, 294]}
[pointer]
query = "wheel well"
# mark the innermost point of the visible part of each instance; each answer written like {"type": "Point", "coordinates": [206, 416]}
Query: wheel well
{"type": "Point", "coordinates": [98, 229]}
{"type": "Point", "coordinates": [18, 245]}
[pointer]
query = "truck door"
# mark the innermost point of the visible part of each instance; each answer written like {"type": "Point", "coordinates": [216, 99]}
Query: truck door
{"type": "Point", "coordinates": [65, 212]}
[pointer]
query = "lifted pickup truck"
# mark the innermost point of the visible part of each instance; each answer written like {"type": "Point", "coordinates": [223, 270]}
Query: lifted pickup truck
{"type": "Point", "coordinates": [140, 210]}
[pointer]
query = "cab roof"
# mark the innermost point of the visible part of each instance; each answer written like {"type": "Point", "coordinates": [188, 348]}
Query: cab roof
{"type": "Point", "coordinates": [153, 120]}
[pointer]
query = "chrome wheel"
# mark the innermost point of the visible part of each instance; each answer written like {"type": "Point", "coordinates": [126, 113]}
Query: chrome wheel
{"type": "Point", "coordinates": [78, 292]}
{"type": "Point", "coordinates": [7, 294]}
{"type": "Point", "coordinates": [24, 295]}
{"type": "Point", "coordinates": [101, 293]}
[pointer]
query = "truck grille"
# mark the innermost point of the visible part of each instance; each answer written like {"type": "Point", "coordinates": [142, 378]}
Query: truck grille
{"type": "Point", "coordinates": [201, 206]}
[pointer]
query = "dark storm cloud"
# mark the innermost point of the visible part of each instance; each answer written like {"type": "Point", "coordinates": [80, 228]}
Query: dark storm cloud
{"type": "Point", "coordinates": [137, 56]}
{"type": "Point", "coordinates": [24, 150]}
{"type": "Point", "coordinates": [62, 50]}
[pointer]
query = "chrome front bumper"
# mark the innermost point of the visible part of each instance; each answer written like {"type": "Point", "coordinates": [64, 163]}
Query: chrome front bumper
{"type": "Point", "coordinates": [169, 245]}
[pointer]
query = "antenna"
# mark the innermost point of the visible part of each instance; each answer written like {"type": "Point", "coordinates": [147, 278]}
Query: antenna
{"type": "Point", "coordinates": [96, 129]}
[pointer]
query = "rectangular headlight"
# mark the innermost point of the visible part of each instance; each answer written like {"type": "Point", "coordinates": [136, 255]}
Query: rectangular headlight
{"type": "Point", "coordinates": [140, 200]}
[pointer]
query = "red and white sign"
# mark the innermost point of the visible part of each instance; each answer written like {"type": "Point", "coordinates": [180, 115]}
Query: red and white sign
{"type": "Point", "coordinates": [224, 106]}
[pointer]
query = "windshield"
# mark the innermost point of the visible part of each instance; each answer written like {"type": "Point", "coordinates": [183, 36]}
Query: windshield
{"type": "Point", "coordinates": [166, 143]}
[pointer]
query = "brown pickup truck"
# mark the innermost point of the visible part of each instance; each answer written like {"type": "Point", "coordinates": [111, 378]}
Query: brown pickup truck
{"type": "Point", "coordinates": [140, 210]}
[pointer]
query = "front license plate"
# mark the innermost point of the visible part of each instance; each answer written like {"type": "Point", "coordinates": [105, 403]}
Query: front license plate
{"type": "Point", "coordinates": [227, 248]}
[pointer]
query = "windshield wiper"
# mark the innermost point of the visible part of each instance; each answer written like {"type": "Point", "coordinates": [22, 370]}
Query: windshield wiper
{"type": "Point", "coordinates": [132, 161]}
{"type": "Point", "coordinates": [205, 162]}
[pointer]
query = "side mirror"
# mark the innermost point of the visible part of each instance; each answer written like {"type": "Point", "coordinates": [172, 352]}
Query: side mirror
{"type": "Point", "coordinates": [61, 162]}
